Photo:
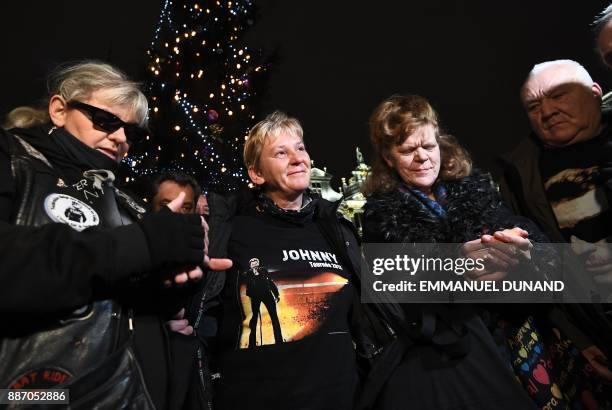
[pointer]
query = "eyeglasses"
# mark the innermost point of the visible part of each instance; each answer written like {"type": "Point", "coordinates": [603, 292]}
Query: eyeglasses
{"type": "Point", "coordinates": [110, 122]}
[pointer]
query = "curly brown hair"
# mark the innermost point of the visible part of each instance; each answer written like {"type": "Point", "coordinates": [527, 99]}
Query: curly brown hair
{"type": "Point", "coordinates": [391, 123]}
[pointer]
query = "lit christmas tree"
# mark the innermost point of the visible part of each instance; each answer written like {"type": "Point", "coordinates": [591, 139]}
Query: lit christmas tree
{"type": "Point", "coordinates": [202, 89]}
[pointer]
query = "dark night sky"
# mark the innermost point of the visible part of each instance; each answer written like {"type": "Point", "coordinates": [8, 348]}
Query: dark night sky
{"type": "Point", "coordinates": [337, 59]}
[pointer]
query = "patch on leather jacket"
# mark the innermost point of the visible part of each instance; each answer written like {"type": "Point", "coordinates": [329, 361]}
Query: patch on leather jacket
{"type": "Point", "coordinates": [71, 211]}
{"type": "Point", "coordinates": [42, 378]}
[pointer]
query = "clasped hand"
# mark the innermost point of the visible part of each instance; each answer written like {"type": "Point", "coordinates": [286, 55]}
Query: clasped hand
{"type": "Point", "coordinates": [498, 253]}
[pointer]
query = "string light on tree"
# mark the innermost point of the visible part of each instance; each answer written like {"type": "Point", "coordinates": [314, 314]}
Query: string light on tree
{"type": "Point", "coordinates": [205, 86]}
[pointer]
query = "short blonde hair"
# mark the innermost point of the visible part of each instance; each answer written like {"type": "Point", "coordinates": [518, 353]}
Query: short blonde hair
{"type": "Point", "coordinates": [25, 117]}
{"type": "Point", "coordinates": [77, 81]}
{"type": "Point", "coordinates": [270, 126]}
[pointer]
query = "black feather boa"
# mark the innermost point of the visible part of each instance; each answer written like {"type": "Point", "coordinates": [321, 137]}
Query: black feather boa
{"type": "Point", "coordinates": [473, 208]}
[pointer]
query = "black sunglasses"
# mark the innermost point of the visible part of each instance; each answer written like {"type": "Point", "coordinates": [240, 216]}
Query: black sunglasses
{"type": "Point", "coordinates": [110, 122]}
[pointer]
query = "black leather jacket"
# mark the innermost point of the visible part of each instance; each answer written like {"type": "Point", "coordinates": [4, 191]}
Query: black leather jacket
{"type": "Point", "coordinates": [71, 349]}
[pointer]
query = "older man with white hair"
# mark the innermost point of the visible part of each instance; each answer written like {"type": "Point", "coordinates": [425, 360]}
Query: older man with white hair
{"type": "Point", "coordinates": [554, 175]}
{"type": "Point", "coordinates": [560, 177]}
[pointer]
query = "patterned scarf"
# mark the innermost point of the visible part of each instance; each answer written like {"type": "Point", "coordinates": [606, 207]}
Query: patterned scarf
{"type": "Point", "coordinates": [435, 207]}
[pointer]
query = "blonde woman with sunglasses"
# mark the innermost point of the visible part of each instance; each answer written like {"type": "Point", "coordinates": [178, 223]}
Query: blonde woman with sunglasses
{"type": "Point", "coordinates": [87, 276]}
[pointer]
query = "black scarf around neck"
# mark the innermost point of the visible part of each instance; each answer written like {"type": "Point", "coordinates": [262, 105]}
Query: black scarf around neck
{"type": "Point", "coordinates": [298, 217]}
{"type": "Point", "coordinates": [66, 152]}
{"type": "Point", "coordinates": [80, 154]}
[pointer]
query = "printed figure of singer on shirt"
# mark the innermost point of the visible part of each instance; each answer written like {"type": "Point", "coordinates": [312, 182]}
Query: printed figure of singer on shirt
{"type": "Point", "coordinates": [261, 289]}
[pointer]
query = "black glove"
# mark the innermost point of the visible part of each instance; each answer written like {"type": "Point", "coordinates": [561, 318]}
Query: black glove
{"type": "Point", "coordinates": [175, 240]}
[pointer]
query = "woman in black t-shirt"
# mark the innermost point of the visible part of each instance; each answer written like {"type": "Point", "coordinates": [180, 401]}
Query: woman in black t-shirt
{"type": "Point", "coordinates": [285, 337]}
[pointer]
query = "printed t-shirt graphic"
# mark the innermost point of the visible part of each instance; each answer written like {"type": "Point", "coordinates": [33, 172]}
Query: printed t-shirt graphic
{"type": "Point", "coordinates": [286, 284]}
{"type": "Point", "coordinates": [284, 319]}
{"type": "Point", "coordinates": [287, 302]}
{"type": "Point", "coordinates": [575, 190]}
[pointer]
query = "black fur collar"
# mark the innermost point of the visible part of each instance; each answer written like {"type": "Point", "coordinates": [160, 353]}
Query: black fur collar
{"type": "Point", "coordinates": [398, 217]}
